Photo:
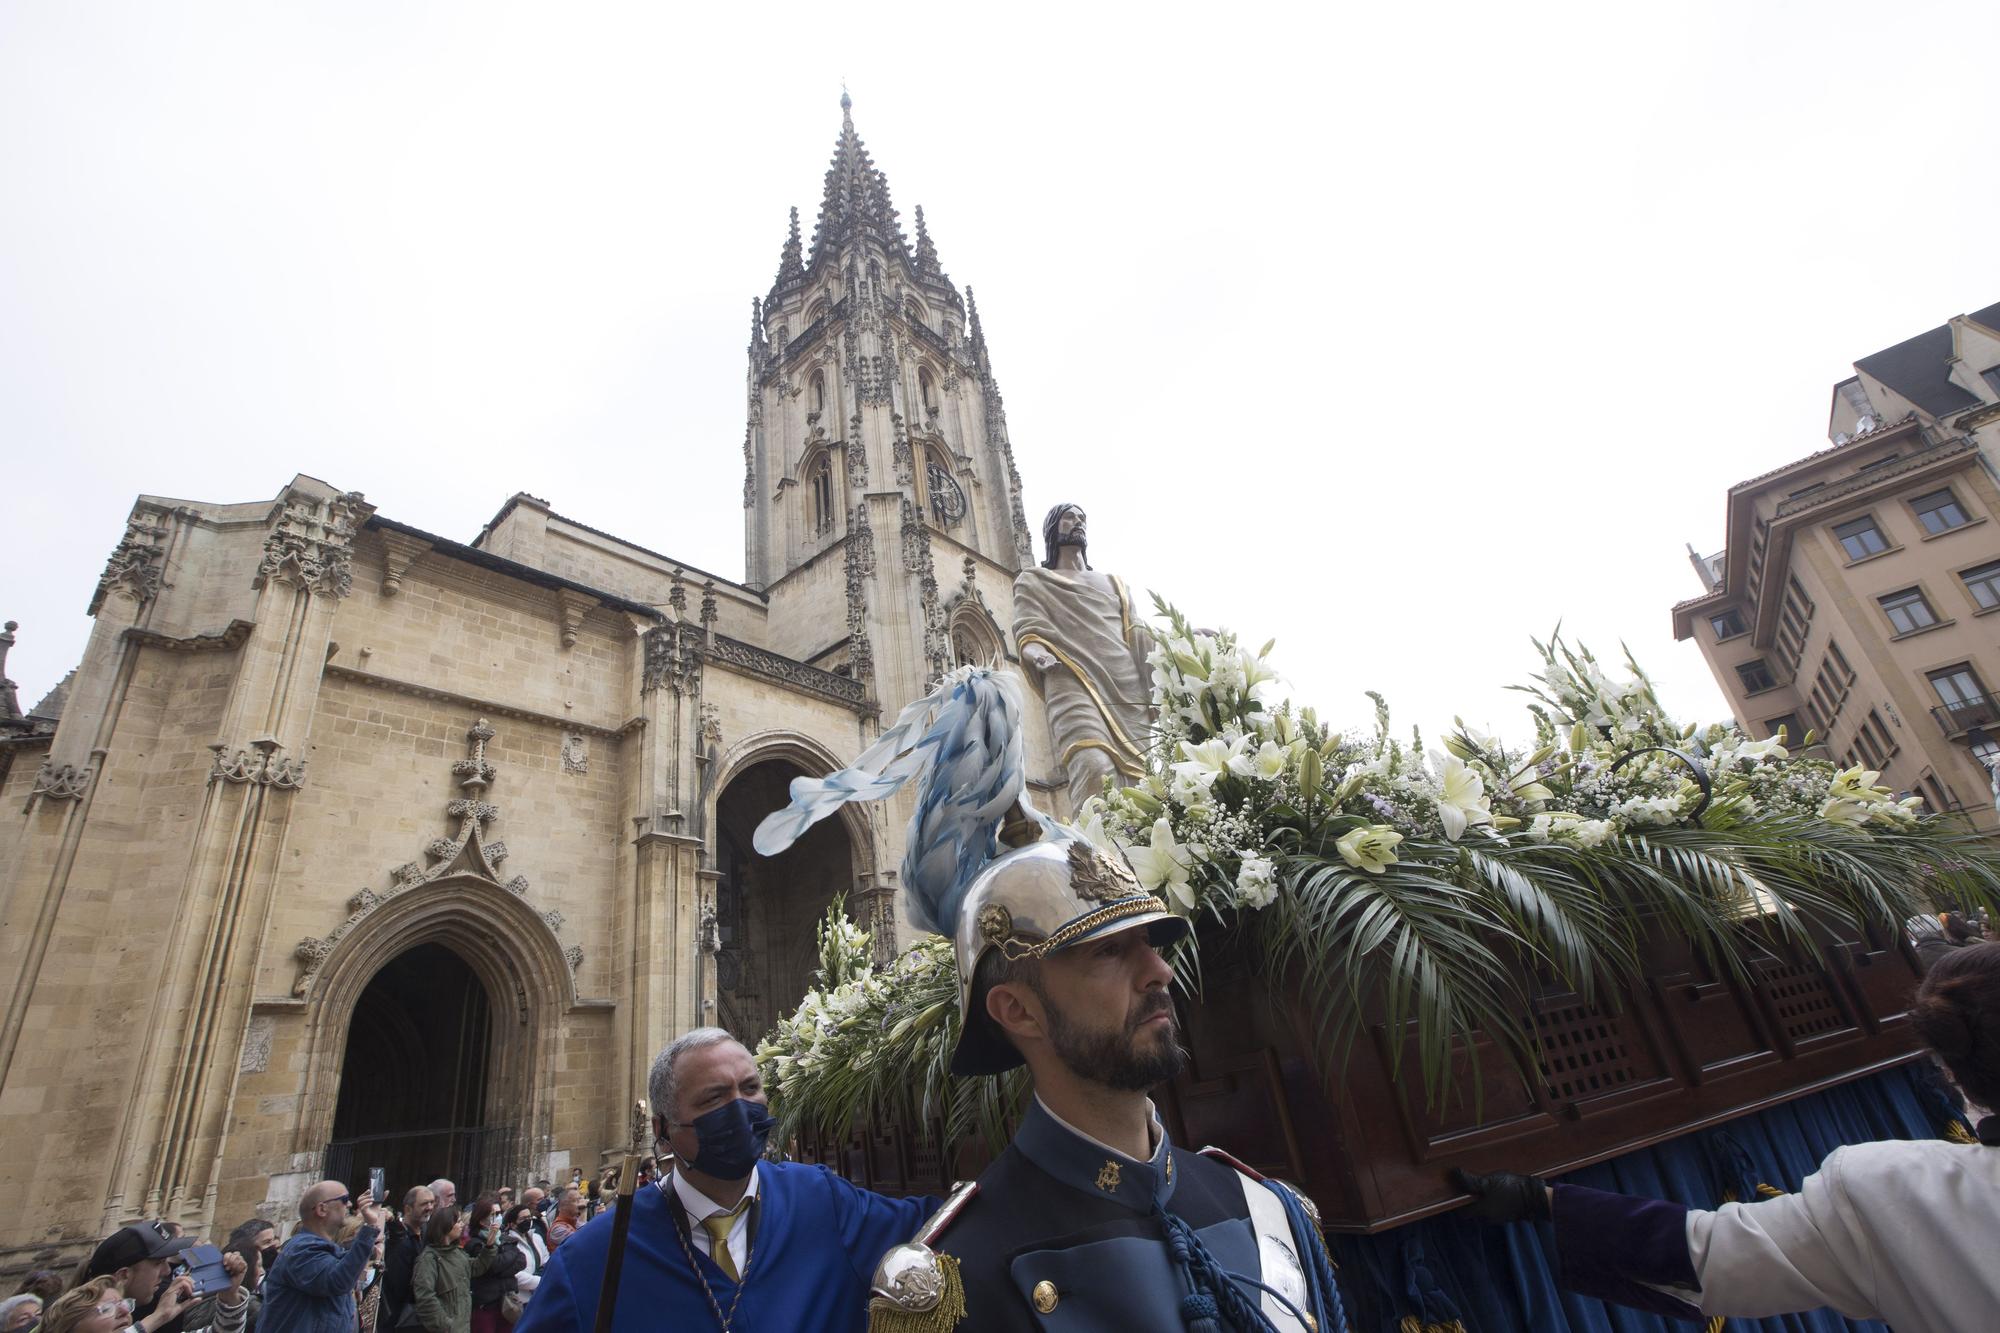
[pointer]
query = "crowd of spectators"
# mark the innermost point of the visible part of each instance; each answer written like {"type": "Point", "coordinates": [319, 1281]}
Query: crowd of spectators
{"type": "Point", "coordinates": [345, 1264]}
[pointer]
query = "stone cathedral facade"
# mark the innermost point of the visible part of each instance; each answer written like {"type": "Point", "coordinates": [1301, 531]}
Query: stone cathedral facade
{"type": "Point", "coordinates": [348, 844]}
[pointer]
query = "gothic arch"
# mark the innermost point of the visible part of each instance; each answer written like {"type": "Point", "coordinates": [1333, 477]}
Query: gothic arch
{"type": "Point", "coordinates": [512, 949]}
{"type": "Point", "coordinates": [815, 759]}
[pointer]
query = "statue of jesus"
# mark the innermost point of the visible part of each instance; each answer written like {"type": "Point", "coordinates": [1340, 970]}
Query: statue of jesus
{"type": "Point", "coordinates": [1078, 636]}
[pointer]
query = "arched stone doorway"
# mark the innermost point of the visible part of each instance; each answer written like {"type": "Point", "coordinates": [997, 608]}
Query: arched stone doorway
{"type": "Point", "coordinates": [515, 963]}
{"type": "Point", "coordinates": [414, 1092]}
{"type": "Point", "coordinates": [767, 907]}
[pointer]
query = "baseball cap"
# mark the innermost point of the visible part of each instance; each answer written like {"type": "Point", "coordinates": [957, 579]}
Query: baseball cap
{"type": "Point", "coordinates": [134, 1244]}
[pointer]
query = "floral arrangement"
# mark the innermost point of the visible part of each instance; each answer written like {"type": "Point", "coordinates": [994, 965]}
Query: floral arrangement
{"type": "Point", "coordinates": [1409, 882]}
{"type": "Point", "coordinates": [862, 1039]}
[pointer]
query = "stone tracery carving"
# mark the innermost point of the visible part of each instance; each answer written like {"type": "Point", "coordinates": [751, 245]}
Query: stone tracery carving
{"type": "Point", "coordinates": [468, 853]}
{"type": "Point", "coordinates": [311, 542]}
{"type": "Point", "coordinates": [917, 560]}
{"type": "Point", "coordinates": [135, 568]}
{"type": "Point", "coordinates": [61, 782]}
{"type": "Point", "coordinates": [860, 559]}
{"type": "Point", "coordinates": [259, 764]}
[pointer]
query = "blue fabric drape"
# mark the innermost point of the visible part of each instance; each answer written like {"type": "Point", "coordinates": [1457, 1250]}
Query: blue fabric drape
{"type": "Point", "coordinates": [1502, 1279]}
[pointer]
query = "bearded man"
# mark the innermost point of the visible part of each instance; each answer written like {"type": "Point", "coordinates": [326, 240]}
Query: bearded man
{"type": "Point", "coordinates": [1077, 633]}
{"type": "Point", "coordinates": [1091, 1219]}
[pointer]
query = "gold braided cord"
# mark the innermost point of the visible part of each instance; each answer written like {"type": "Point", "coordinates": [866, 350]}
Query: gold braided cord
{"type": "Point", "coordinates": [1958, 1133]}
{"type": "Point", "coordinates": [1015, 950]}
{"type": "Point", "coordinates": [1412, 1324]}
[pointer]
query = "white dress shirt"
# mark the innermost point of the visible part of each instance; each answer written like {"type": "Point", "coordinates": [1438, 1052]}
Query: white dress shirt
{"type": "Point", "coordinates": [700, 1207]}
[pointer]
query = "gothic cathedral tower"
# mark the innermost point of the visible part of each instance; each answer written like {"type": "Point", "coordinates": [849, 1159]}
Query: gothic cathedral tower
{"type": "Point", "coordinates": [875, 426]}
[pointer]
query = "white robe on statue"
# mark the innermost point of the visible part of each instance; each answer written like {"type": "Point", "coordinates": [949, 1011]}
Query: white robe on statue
{"type": "Point", "coordinates": [1099, 693]}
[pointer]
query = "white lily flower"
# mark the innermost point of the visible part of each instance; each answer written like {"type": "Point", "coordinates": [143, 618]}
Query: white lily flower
{"type": "Point", "coordinates": [1163, 866]}
{"type": "Point", "coordinates": [1461, 799]}
{"type": "Point", "coordinates": [1209, 760]}
{"type": "Point", "coordinates": [1268, 764]}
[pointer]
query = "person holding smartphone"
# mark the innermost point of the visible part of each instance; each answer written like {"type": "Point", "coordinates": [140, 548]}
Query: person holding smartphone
{"type": "Point", "coordinates": [311, 1287]}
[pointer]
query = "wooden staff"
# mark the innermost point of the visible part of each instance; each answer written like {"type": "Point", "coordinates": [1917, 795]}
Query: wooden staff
{"type": "Point", "coordinates": [621, 1219]}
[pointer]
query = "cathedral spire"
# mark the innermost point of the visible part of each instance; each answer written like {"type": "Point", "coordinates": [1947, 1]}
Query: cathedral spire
{"type": "Point", "coordinates": [927, 255]}
{"type": "Point", "coordinates": [978, 334]}
{"type": "Point", "coordinates": [791, 262]}
{"type": "Point", "coordinates": [856, 195]}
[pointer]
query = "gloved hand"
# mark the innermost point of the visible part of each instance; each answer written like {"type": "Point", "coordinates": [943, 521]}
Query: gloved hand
{"type": "Point", "coordinates": [1504, 1196]}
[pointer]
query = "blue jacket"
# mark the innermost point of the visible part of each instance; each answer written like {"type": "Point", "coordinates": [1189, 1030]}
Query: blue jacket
{"type": "Point", "coordinates": [310, 1289]}
{"type": "Point", "coordinates": [814, 1247]}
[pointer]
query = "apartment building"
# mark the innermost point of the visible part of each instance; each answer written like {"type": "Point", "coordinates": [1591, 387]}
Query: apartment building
{"type": "Point", "coordinates": [1858, 593]}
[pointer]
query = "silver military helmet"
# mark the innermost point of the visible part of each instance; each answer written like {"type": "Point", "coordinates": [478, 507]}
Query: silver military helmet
{"type": "Point", "coordinates": [1038, 900]}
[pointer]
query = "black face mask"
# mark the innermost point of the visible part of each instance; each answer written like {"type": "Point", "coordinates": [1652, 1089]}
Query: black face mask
{"type": "Point", "coordinates": [731, 1138]}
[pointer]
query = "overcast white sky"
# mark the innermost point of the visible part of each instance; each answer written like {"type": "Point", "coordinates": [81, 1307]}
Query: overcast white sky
{"type": "Point", "coordinates": [1400, 333]}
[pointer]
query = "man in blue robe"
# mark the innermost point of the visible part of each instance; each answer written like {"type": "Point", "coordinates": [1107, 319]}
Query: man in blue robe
{"type": "Point", "coordinates": [726, 1241]}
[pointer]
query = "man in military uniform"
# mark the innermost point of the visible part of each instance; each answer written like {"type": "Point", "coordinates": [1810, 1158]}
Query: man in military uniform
{"type": "Point", "coordinates": [1091, 1219]}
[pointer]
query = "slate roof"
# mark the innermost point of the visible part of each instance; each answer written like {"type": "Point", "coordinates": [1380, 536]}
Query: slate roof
{"type": "Point", "coordinates": [1916, 369]}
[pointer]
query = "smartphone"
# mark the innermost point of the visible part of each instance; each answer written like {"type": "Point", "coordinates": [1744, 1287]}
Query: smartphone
{"type": "Point", "coordinates": [203, 1264]}
{"type": "Point", "coordinates": [378, 1185]}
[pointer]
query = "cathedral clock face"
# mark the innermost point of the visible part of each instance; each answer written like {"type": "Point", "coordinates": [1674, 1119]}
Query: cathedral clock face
{"type": "Point", "coordinates": [947, 500]}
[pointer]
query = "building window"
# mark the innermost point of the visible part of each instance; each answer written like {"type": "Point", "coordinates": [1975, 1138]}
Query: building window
{"type": "Point", "coordinates": [1830, 686]}
{"type": "Point", "coordinates": [1785, 728]}
{"type": "Point", "coordinates": [1984, 585]}
{"type": "Point", "coordinates": [1987, 752]}
{"type": "Point", "coordinates": [1879, 740]}
{"type": "Point", "coordinates": [1860, 538]}
{"type": "Point", "coordinates": [1794, 622]}
{"type": "Point", "coordinates": [1727, 625]}
{"type": "Point", "coordinates": [1934, 795]}
{"type": "Point", "coordinates": [1908, 611]}
{"type": "Point", "coordinates": [1992, 377]}
{"type": "Point", "coordinates": [822, 496]}
{"type": "Point", "coordinates": [1756, 677]}
{"type": "Point", "coordinates": [927, 390]}
{"type": "Point", "coordinates": [1964, 700]}
{"type": "Point", "coordinates": [818, 396]}
{"type": "Point", "coordinates": [1938, 511]}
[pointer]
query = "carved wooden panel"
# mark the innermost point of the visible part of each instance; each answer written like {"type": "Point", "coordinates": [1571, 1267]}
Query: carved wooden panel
{"type": "Point", "coordinates": [1804, 1007]}
{"type": "Point", "coordinates": [1713, 1029]}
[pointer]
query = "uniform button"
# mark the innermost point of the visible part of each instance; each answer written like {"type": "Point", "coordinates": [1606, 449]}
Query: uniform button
{"type": "Point", "coordinates": [1045, 1296]}
{"type": "Point", "coordinates": [1312, 1324]}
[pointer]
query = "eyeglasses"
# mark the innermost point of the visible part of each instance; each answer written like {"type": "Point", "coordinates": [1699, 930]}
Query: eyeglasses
{"type": "Point", "coordinates": [340, 1198]}
{"type": "Point", "coordinates": [113, 1308]}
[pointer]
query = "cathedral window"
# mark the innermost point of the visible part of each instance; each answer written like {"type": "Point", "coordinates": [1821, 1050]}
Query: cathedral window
{"type": "Point", "coordinates": [818, 392]}
{"type": "Point", "coordinates": [780, 336]}
{"type": "Point", "coordinates": [972, 641]}
{"type": "Point", "coordinates": [914, 312]}
{"type": "Point", "coordinates": [927, 389]}
{"type": "Point", "coordinates": [817, 313]}
{"type": "Point", "coordinates": [947, 500]}
{"type": "Point", "coordinates": [820, 495]}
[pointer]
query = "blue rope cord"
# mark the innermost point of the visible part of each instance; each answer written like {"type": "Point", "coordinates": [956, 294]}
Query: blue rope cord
{"type": "Point", "coordinates": [1321, 1285]}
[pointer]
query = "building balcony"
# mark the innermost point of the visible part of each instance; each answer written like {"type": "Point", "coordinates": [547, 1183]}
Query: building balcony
{"type": "Point", "coordinates": [1979, 710]}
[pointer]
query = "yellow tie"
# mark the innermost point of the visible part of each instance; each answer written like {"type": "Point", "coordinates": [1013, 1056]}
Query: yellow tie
{"type": "Point", "coordinates": [718, 1227]}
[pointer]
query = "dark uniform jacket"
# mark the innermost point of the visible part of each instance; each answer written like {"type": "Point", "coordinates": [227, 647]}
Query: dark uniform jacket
{"type": "Point", "coordinates": [1062, 1235]}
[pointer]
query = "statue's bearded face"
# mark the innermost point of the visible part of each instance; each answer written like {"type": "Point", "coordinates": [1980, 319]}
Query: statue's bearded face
{"type": "Point", "coordinates": [1070, 528]}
